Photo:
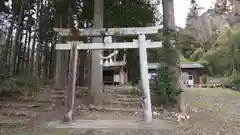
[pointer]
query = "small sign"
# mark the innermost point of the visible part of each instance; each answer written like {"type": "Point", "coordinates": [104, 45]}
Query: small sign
{"type": "Point", "coordinates": [116, 78]}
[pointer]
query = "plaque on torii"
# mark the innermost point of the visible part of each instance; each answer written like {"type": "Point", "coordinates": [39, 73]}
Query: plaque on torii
{"type": "Point", "coordinates": [141, 43]}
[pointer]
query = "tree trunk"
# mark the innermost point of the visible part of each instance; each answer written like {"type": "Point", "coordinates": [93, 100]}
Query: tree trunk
{"type": "Point", "coordinates": [23, 60]}
{"type": "Point", "coordinates": [46, 62]}
{"type": "Point", "coordinates": [81, 67]}
{"type": "Point", "coordinates": [20, 53]}
{"type": "Point", "coordinates": [16, 40]}
{"type": "Point", "coordinates": [29, 50]}
{"type": "Point", "coordinates": [172, 58]}
{"type": "Point", "coordinates": [89, 62]}
{"type": "Point", "coordinates": [52, 55]}
{"type": "Point", "coordinates": [52, 63]}
{"type": "Point", "coordinates": [65, 63]}
{"type": "Point", "coordinates": [5, 53]}
{"type": "Point", "coordinates": [9, 53]}
{"type": "Point", "coordinates": [32, 55]}
{"type": "Point", "coordinates": [96, 83]}
{"type": "Point", "coordinates": [38, 60]}
{"type": "Point", "coordinates": [40, 38]}
{"type": "Point", "coordinates": [62, 57]}
{"type": "Point", "coordinates": [70, 101]}
{"type": "Point", "coordinates": [58, 69]}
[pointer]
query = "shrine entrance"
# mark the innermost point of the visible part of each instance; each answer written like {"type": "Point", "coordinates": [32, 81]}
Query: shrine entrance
{"type": "Point", "coordinates": [107, 61]}
{"type": "Point", "coordinates": [108, 76]}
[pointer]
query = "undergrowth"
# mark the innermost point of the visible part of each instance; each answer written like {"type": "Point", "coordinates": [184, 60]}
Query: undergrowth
{"type": "Point", "coordinates": [22, 85]}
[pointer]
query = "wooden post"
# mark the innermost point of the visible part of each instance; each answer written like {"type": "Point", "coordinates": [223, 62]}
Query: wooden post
{"type": "Point", "coordinates": [70, 94]}
{"type": "Point", "coordinates": [147, 107]}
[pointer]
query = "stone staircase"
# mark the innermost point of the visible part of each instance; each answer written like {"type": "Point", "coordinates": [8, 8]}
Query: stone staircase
{"type": "Point", "coordinates": [116, 99]}
{"type": "Point", "coordinates": [124, 99]}
{"type": "Point", "coordinates": [121, 111]}
{"type": "Point", "coordinates": [59, 94]}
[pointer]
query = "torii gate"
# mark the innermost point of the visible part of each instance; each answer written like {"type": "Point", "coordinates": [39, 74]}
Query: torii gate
{"type": "Point", "coordinates": [141, 43]}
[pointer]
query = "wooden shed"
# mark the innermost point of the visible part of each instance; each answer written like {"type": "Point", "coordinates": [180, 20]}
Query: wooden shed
{"type": "Point", "coordinates": [191, 71]}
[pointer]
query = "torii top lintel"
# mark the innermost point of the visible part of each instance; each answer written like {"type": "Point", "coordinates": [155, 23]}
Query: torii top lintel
{"type": "Point", "coordinates": [111, 31]}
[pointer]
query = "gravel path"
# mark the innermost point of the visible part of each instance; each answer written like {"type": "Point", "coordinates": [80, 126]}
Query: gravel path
{"type": "Point", "coordinates": [215, 111]}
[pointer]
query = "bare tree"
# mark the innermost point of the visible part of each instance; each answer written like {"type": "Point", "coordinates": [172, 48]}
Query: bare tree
{"type": "Point", "coordinates": [205, 28]}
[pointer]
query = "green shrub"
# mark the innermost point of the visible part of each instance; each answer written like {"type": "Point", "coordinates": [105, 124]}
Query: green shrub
{"type": "Point", "coordinates": [233, 82]}
{"type": "Point", "coordinates": [165, 86]}
{"type": "Point", "coordinates": [3, 77]}
{"type": "Point", "coordinates": [204, 79]}
{"type": "Point", "coordinates": [235, 78]}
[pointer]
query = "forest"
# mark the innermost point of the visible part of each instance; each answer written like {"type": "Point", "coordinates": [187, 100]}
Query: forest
{"type": "Point", "coordinates": [30, 63]}
{"type": "Point", "coordinates": [214, 41]}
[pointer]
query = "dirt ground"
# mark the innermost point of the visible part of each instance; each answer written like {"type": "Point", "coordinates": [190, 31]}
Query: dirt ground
{"type": "Point", "coordinates": [218, 111]}
{"type": "Point", "coordinates": [214, 111]}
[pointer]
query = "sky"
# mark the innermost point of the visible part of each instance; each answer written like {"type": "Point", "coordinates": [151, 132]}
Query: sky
{"type": "Point", "coordinates": [182, 7]}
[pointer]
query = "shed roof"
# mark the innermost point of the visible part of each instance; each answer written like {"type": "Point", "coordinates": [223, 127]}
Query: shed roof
{"type": "Point", "coordinates": [182, 64]}
{"type": "Point", "coordinates": [191, 65]}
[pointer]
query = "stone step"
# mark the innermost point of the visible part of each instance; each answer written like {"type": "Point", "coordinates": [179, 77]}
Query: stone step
{"type": "Point", "coordinates": [58, 92]}
{"type": "Point", "coordinates": [61, 94]}
{"type": "Point", "coordinates": [124, 96]}
{"type": "Point", "coordinates": [44, 101]}
{"type": "Point", "coordinates": [58, 96]}
{"type": "Point", "coordinates": [136, 106]}
{"type": "Point", "coordinates": [63, 91]}
{"type": "Point", "coordinates": [58, 89]}
{"type": "Point", "coordinates": [115, 109]}
{"type": "Point", "coordinates": [123, 103]}
{"type": "Point", "coordinates": [107, 108]}
{"type": "Point", "coordinates": [126, 87]}
{"type": "Point", "coordinates": [8, 122]}
{"type": "Point", "coordinates": [20, 113]}
{"type": "Point", "coordinates": [128, 99]}
{"type": "Point", "coordinates": [121, 89]}
{"type": "Point", "coordinates": [25, 100]}
{"type": "Point", "coordinates": [21, 105]}
{"type": "Point", "coordinates": [82, 88]}
{"type": "Point", "coordinates": [112, 127]}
